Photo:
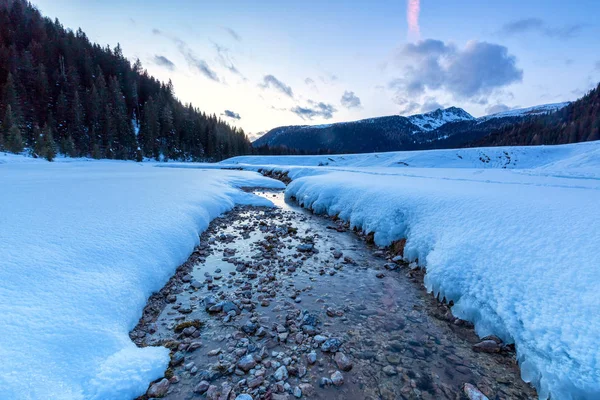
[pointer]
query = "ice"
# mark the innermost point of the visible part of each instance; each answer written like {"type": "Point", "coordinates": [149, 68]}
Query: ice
{"type": "Point", "coordinates": [509, 234]}
{"type": "Point", "coordinates": [82, 246]}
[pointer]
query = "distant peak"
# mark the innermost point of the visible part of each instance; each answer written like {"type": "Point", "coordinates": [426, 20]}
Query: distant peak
{"type": "Point", "coordinates": [434, 119]}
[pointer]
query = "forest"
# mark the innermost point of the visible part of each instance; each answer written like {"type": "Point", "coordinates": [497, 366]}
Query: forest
{"type": "Point", "coordinates": [60, 93]}
{"type": "Point", "coordinates": [577, 122]}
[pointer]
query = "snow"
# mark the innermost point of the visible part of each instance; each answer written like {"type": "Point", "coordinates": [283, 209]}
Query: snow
{"type": "Point", "coordinates": [83, 244]}
{"type": "Point", "coordinates": [529, 111]}
{"type": "Point", "coordinates": [435, 119]}
{"type": "Point", "coordinates": [510, 234]}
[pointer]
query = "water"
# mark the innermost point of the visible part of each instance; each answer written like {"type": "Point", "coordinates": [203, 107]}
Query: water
{"type": "Point", "coordinates": [397, 347]}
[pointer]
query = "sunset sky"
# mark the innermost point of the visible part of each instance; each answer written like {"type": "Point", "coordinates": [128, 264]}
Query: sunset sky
{"type": "Point", "coordinates": [269, 63]}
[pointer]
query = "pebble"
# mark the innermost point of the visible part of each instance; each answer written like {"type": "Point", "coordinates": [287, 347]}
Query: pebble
{"type": "Point", "coordinates": [297, 392]}
{"type": "Point", "coordinates": [324, 382]}
{"type": "Point", "coordinates": [343, 362]}
{"type": "Point", "coordinates": [159, 389]}
{"type": "Point", "coordinates": [307, 389]}
{"type": "Point", "coordinates": [177, 359]}
{"type": "Point", "coordinates": [255, 382]}
{"type": "Point", "coordinates": [487, 346]}
{"type": "Point", "coordinates": [243, 397]}
{"type": "Point", "coordinates": [305, 248]}
{"type": "Point", "coordinates": [201, 387]}
{"type": "Point", "coordinates": [331, 345]}
{"type": "Point", "coordinates": [337, 378]}
{"type": "Point", "coordinates": [473, 393]}
{"type": "Point", "coordinates": [246, 363]}
{"type": "Point", "coordinates": [281, 374]}
{"type": "Point", "coordinates": [390, 370]}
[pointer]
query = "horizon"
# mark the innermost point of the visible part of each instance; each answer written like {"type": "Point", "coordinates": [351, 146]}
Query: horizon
{"type": "Point", "coordinates": [356, 61]}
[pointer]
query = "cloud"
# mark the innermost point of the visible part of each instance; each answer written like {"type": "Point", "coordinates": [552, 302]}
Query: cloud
{"type": "Point", "coordinates": [411, 107]}
{"type": "Point", "coordinates": [430, 104]}
{"type": "Point", "coordinates": [328, 78]}
{"type": "Point", "coordinates": [468, 74]}
{"type": "Point", "coordinates": [497, 108]}
{"type": "Point", "coordinates": [202, 67]}
{"type": "Point", "coordinates": [233, 34]}
{"type": "Point", "coordinates": [253, 136]}
{"type": "Point", "coordinates": [537, 25]}
{"type": "Point", "coordinates": [231, 114]}
{"type": "Point", "coordinates": [269, 81]}
{"type": "Point", "coordinates": [193, 61]}
{"type": "Point", "coordinates": [164, 62]}
{"type": "Point", "coordinates": [225, 59]}
{"type": "Point", "coordinates": [407, 107]}
{"type": "Point", "coordinates": [597, 66]}
{"type": "Point", "coordinates": [350, 100]}
{"type": "Point", "coordinates": [412, 17]}
{"type": "Point", "coordinates": [311, 84]}
{"type": "Point", "coordinates": [314, 110]}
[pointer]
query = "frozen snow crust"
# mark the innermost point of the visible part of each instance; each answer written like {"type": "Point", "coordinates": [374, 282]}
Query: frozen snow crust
{"type": "Point", "coordinates": [82, 246]}
{"type": "Point", "coordinates": [513, 241]}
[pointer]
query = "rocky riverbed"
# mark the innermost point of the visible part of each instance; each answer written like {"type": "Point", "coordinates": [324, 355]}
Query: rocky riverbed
{"type": "Point", "coordinates": [277, 303]}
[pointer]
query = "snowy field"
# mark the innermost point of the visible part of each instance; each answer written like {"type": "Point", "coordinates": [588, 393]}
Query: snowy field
{"type": "Point", "coordinates": [82, 246]}
{"type": "Point", "coordinates": [511, 235]}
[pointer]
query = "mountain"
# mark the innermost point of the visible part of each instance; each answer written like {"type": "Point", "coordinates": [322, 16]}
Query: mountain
{"type": "Point", "coordinates": [433, 120]}
{"type": "Point", "coordinates": [442, 128]}
{"type": "Point", "coordinates": [60, 92]}
{"type": "Point", "coordinates": [576, 122]}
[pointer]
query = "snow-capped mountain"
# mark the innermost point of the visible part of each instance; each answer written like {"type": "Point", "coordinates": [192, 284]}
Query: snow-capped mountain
{"type": "Point", "coordinates": [442, 128]}
{"type": "Point", "coordinates": [434, 119]}
{"type": "Point", "coordinates": [527, 112]}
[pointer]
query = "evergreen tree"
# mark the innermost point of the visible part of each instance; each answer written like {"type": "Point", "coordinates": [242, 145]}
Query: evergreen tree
{"type": "Point", "coordinates": [87, 96]}
{"type": "Point", "coordinates": [11, 132]}
{"type": "Point", "coordinates": [49, 147]}
{"type": "Point", "coordinates": [10, 97]}
{"type": "Point", "coordinates": [15, 140]}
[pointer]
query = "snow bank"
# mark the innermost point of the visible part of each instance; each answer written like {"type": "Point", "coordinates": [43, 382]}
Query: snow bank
{"type": "Point", "coordinates": [511, 157]}
{"type": "Point", "coordinates": [513, 244]}
{"type": "Point", "coordinates": [82, 246]}
{"type": "Point", "coordinates": [520, 261]}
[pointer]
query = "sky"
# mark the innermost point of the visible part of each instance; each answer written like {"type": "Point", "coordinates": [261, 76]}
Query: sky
{"type": "Point", "coordinates": [267, 63]}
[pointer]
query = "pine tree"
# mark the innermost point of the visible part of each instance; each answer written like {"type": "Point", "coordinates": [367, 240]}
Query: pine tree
{"type": "Point", "coordinates": [62, 112]}
{"type": "Point", "coordinates": [12, 132]}
{"type": "Point", "coordinates": [11, 98]}
{"type": "Point", "coordinates": [76, 127]}
{"type": "Point", "coordinates": [38, 148]}
{"type": "Point", "coordinates": [15, 140]}
{"type": "Point", "coordinates": [49, 145]}
{"type": "Point", "coordinates": [88, 95]}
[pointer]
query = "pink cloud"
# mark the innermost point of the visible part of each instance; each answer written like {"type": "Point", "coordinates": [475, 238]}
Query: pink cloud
{"type": "Point", "coordinates": [413, 10]}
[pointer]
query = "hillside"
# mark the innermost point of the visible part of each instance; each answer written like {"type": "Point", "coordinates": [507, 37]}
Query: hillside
{"type": "Point", "coordinates": [60, 92]}
{"type": "Point", "coordinates": [442, 128]}
{"type": "Point", "coordinates": [578, 122]}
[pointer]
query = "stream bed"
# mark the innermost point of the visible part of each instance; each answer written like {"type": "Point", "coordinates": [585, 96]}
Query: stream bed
{"type": "Point", "coordinates": [278, 303]}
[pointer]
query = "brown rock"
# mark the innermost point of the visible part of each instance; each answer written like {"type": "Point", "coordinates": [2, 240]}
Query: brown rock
{"type": "Point", "coordinates": [159, 389]}
{"type": "Point", "coordinates": [487, 346]}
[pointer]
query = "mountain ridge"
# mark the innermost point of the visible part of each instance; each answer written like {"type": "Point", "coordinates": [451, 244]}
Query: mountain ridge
{"type": "Point", "coordinates": [439, 128]}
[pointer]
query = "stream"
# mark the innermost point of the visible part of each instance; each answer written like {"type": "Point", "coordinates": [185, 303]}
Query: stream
{"type": "Point", "coordinates": [278, 303]}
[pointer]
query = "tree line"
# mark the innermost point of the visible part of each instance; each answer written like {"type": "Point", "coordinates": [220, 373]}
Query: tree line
{"type": "Point", "coordinates": [60, 93]}
{"type": "Point", "coordinates": [577, 122]}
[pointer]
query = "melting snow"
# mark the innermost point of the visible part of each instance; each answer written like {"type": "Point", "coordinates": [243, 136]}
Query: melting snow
{"type": "Point", "coordinates": [82, 246]}
{"type": "Point", "coordinates": [509, 234]}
